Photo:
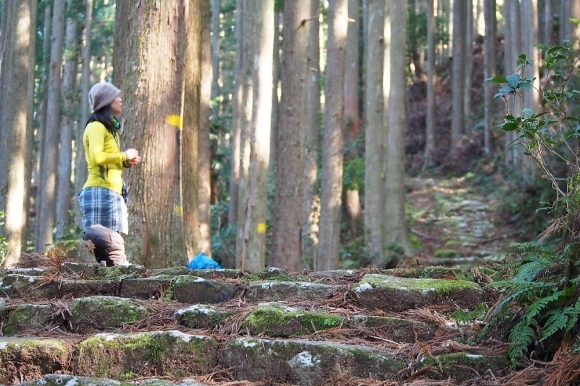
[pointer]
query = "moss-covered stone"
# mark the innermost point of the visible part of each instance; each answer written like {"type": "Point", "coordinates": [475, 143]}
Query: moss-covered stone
{"type": "Point", "coordinates": [162, 353]}
{"type": "Point", "coordinates": [24, 359]}
{"type": "Point", "coordinates": [391, 293]}
{"type": "Point", "coordinates": [434, 272]}
{"type": "Point", "coordinates": [395, 329]}
{"type": "Point", "coordinates": [263, 291]}
{"type": "Point", "coordinates": [31, 287]}
{"type": "Point", "coordinates": [305, 362]}
{"type": "Point", "coordinates": [65, 379]}
{"type": "Point", "coordinates": [201, 316]}
{"type": "Point", "coordinates": [120, 271]}
{"type": "Point", "coordinates": [153, 287]}
{"type": "Point", "coordinates": [281, 321]}
{"type": "Point", "coordinates": [104, 312]}
{"type": "Point", "coordinates": [81, 269]}
{"type": "Point", "coordinates": [463, 366]}
{"type": "Point", "coordinates": [28, 317]}
{"type": "Point", "coordinates": [194, 290]}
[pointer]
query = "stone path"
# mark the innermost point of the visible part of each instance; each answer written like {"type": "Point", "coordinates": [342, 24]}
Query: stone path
{"type": "Point", "coordinates": [102, 326]}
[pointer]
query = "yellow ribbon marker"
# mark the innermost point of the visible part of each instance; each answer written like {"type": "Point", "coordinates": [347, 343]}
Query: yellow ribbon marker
{"type": "Point", "coordinates": [262, 227]}
{"type": "Point", "coordinates": [178, 211]}
{"type": "Point", "coordinates": [175, 120]}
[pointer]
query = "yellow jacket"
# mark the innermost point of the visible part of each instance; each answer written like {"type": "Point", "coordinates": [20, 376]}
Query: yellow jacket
{"type": "Point", "coordinates": [105, 160]}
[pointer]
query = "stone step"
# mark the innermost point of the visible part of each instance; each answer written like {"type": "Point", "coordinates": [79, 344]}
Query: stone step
{"type": "Point", "coordinates": [88, 324]}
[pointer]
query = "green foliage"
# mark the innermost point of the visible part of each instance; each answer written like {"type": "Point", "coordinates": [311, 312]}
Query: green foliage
{"type": "Point", "coordinates": [540, 283]}
{"type": "Point", "coordinates": [354, 175]}
{"type": "Point", "coordinates": [466, 316]}
{"type": "Point", "coordinates": [223, 239]}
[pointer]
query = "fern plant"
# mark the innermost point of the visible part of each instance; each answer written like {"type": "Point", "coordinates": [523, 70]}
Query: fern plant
{"type": "Point", "coordinates": [540, 298]}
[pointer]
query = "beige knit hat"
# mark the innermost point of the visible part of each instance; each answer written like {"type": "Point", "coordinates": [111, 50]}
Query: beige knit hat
{"type": "Point", "coordinates": [102, 94]}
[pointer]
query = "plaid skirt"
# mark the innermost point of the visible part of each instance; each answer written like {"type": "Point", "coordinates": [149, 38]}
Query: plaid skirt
{"type": "Point", "coordinates": [105, 207]}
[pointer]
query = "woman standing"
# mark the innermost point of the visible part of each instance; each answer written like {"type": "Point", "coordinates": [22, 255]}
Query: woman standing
{"type": "Point", "coordinates": [102, 199]}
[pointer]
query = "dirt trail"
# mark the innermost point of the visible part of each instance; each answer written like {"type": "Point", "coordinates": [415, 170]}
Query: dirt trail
{"type": "Point", "coordinates": [456, 223]}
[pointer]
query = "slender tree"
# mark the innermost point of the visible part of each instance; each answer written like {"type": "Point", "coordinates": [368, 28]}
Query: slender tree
{"type": "Point", "coordinates": [431, 82]}
{"type": "Point", "coordinates": [214, 38]}
{"type": "Point", "coordinates": [310, 210]}
{"type": "Point", "coordinates": [16, 86]}
{"type": "Point", "coordinates": [256, 205]}
{"type": "Point", "coordinates": [286, 237]}
{"type": "Point", "coordinates": [45, 208]}
{"type": "Point", "coordinates": [247, 68]}
{"type": "Point", "coordinates": [351, 109]}
{"type": "Point", "coordinates": [207, 82]}
{"type": "Point", "coordinates": [395, 239]}
{"type": "Point", "coordinates": [489, 70]}
{"type": "Point", "coordinates": [375, 42]}
{"type": "Point", "coordinates": [85, 85]}
{"type": "Point", "coordinates": [332, 139]}
{"type": "Point", "coordinates": [236, 117]}
{"type": "Point", "coordinates": [69, 114]}
{"type": "Point", "coordinates": [458, 74]}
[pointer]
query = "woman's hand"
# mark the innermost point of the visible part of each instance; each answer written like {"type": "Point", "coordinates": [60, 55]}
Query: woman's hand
{"type": "Point", "coordinates": [132, 156]}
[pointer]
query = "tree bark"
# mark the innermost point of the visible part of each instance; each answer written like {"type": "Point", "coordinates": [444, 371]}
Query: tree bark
{"type": "Point", "coordinates": [332, 140]}
{"type": "Point", "coordinates": [489, 58]}
{"type": "Point", "coordinates": [85, 83]}
{"type": "Point", "coordinates": [160, 80]}
{"type": "Point", "coordinates": [207, 82]}
{"type": "Point", "coordinates": [46, 202]}
{"type": "Point", "coordinates": [375, 42]}
{"type": "Point", "coordinates": [431, 81]}
{"type": "Point", "coordinates": [17, 85]}
{"type": "Point", "coordinates": [286, 237]}
{"type": "Point", "coordinates": [236, 118]}
{"type": "Point", "coordinates": [256, 205]}
{"type": "Point", "coordinates": [215, 41]}
{"type": "Point", "coordinates": [69, 91]}
{"type": "Point", "coordinates": [396, 241]}
{"type": "Point", "coordinates": [310, 207]}
{"type": "Point", "coordinates": [458, 77]}
{"type": "Point", "coordinates": [249, 40]}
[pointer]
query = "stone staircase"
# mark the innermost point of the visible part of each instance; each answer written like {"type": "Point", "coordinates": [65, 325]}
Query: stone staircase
{"type": "Point", "coordinates": [78, 323]}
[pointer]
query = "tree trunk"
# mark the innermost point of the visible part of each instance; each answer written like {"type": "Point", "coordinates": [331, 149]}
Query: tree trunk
{"type": "Point", "coordinates": [215, 41]}
{"type": "Point", "coordinates": [375, 42]}
{"type": "Point", "coordinates": [286, 237]}
{"type": "Point", "coordinates": [69, 114]}
{"type": "Point", "coordinates": [310, 208]}
{"type": "Point", "coordinates": [190, 111]}
{"type": "Point", "coordinates": [489, 71]}
{"type": "Point", "coordinates": [207, 80]}
{"type": "Point", "coordinates": [275, 86]}
{"type": "Point", "coordinates": [256, 205]}
{"type": "Point", "coordinates": [351, 109]}
{"type": "Point", "coordinates": [396, 241]}
{"type": "Point", "coordinates": [431, 82]}
{"type": "Point", "coordinates": [85, 81]}
{"type": "Point", "coordinates": [17, 85]}
{"type": "Point", "coordinates": [47, 185]}
{"type": "Point", "coordinates": [458, 77]}
{"type": "Point", "coordinates": [236, 118]}
{"type": "Point", "coordinates": [161, 120]}
{"type": "Point", "coordinates": [332, 140]}
{"type": "Point", "coordinates": [249, 40]}
{"type": "Point", "coordinates": [468, 53]}
{"type": "Point", "coordinates": [531, 98]}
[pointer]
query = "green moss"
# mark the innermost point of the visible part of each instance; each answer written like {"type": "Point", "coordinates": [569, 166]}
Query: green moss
{"type": "Point", "coordinates": [275, 320]}
{"type": "Point", "coordinates": [105, 312]}
{"type": "Point", "coordinates": [27, 316]}
{"type": "Point", "coordinates": [440, 286]}
{"type": "Point", "coordinates": [446, 253]}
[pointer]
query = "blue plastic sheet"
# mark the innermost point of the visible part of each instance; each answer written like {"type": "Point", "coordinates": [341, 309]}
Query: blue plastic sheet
{"type": "Point", "coordinates": [203, 261]}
